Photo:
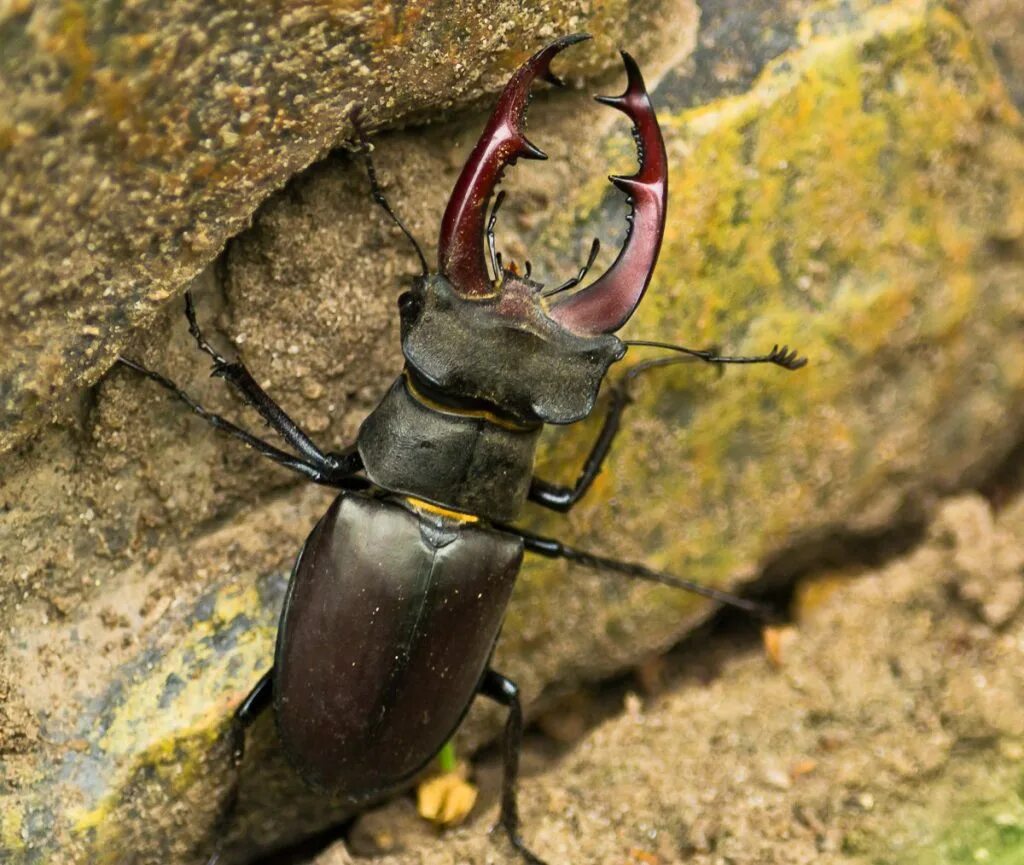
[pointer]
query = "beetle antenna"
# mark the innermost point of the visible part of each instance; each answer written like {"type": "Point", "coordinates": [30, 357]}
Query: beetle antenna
{"type": "Point", "coordinates": [595, 248]}
{"type": "Point", "coordinates": [491, 243]}
{"type": "Point", "coordinates": [784, 357]}
{"type": "Point", "coordinates": [375, 187]}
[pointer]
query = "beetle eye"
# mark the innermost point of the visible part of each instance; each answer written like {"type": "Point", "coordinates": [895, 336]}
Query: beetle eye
{"type": "Point", "coordinates": [409, 304]}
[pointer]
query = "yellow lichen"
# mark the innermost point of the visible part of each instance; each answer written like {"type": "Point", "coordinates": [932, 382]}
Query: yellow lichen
{"type": "Point", "coordinates": [826, 207]}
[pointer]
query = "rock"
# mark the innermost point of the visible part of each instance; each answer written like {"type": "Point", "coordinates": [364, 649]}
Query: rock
{"type": "Point", "coordinates": [135, 141]}
{"type": "Point", "coordinates": [853, 187]}
{"type": "Point", "coordinates": [988, 564]}
{"type": "Point", "coordinates": [1001, 23]}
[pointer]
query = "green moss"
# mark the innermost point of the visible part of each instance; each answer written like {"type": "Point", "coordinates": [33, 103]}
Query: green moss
{"type": "Point", "coordinates": [979, 822]}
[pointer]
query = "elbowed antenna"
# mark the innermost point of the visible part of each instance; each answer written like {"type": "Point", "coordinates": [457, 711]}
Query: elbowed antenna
{"type": "Point", "coordinates": [460, 247]}
{"type": "Point", "coordinates": [607, 304]}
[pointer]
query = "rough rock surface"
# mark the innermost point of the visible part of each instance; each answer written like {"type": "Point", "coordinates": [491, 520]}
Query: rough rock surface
{"type": "Point", "coordinates": [135, 139]}
{"type": "Point", "coordinates": [1001, 22]}
{"type": "Point", "coordinates": [892, 732]}
{"type": "Point", "coordinates": [846, 177]}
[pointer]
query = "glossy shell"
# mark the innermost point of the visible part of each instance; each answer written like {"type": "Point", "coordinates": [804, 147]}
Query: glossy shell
{"type": "Point", "coordinates": [388, 626]}
{"type": "Point", "coordinates": [460, 461]}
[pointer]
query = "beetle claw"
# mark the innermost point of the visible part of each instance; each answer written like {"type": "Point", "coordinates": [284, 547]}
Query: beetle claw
{"type": "Point", "coordinates": [607, 304]}
{"type": "Point", "coordinates": [460, 247]}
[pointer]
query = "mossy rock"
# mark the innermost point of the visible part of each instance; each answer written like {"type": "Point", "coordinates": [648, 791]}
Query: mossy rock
{"type": "Point", "coordinates": [856, 190]}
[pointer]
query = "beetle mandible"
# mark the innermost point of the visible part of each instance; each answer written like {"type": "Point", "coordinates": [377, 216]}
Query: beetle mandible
{"type": "Point", "coordinates": [397, 597]}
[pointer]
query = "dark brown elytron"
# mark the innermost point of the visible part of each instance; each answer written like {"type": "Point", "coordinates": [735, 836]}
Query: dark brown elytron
{"type": "Point", "coordinates": [398, 595]}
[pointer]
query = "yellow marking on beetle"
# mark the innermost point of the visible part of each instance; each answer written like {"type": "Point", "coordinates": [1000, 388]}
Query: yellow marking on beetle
{"type": "Point", "coordinates": [421, 505]}
{"type": "Point", "coordinates": [481, 413]}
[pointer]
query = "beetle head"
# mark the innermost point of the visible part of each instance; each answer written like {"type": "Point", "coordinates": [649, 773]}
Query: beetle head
{"type": "Point", "coordinates": [500, 340]}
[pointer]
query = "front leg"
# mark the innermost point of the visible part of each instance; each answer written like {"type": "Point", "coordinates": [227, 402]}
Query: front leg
{"type": "Point", "coordinates": [236, 375]}
{"type": "Point", "coordinates": [562, 498]}
{"type": "Point", "coordinates": [335, 470]}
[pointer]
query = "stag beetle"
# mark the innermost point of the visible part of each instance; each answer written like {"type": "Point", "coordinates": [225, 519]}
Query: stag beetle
{"type": "Point", "coordinates": [398, 595]}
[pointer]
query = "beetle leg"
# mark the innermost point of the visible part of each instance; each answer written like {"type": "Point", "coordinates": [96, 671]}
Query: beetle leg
{"type": "Point", "coordinates": [553, 548]}
{"type": "Point", "coordinates": [255, 704]}
{"type": "Point", "coordinates": [337, 472]}
{"type": "Point", "coordinates": [235, 374]}
{"type": "Point", "coordinates": [330, 469]}
{"type": "Point", "coordinates": [562, 498]}
{"type": "Point", "coordinates": [377, 191]}
{"type": "Point", "coordinates": [506, 692]}
{"type": "Point", "coordinates": [784, 357]}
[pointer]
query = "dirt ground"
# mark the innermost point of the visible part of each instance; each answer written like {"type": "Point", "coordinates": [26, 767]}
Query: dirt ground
{"type": "Point", "coordinates": [887, 726]}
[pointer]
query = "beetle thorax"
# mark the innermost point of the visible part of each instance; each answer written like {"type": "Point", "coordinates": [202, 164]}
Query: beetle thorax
{"type": "Point", "coordinates": [502, 351]}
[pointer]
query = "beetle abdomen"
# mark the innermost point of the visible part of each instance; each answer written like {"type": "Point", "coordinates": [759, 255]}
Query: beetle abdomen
{"type": "Point", "coordinates": [388, 626]}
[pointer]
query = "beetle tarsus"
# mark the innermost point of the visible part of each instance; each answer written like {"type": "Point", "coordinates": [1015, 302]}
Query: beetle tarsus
{"type": "Point", "coordinates": [784, 357]}
{"type": "Point", "coordinates": [377, 190]}
{"type": "Point", "coordinates": [525, 852]}
{"type": "Point", "coordinates": [197, 334]}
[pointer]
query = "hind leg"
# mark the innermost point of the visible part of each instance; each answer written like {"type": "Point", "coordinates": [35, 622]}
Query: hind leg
{"type": "Point", "coordinates": [506, 692]}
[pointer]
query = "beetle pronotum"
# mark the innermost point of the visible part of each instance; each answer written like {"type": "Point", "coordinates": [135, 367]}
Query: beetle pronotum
{"type": "Point", "coordinates": [398, 595]}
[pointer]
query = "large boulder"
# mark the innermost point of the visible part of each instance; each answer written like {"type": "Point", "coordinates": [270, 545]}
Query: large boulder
{"type": "Point", "coordinates": [136, 139]}
{"type": "Point", "coordinates": [847, 178]}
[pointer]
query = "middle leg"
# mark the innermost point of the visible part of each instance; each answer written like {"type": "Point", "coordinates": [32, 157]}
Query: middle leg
{"type": "Point", "coordinates": [254, 705]}
{"type": "Point", "coordinates": [552, 548]}
{"type": "Point", "coordinates": [238, 376]}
